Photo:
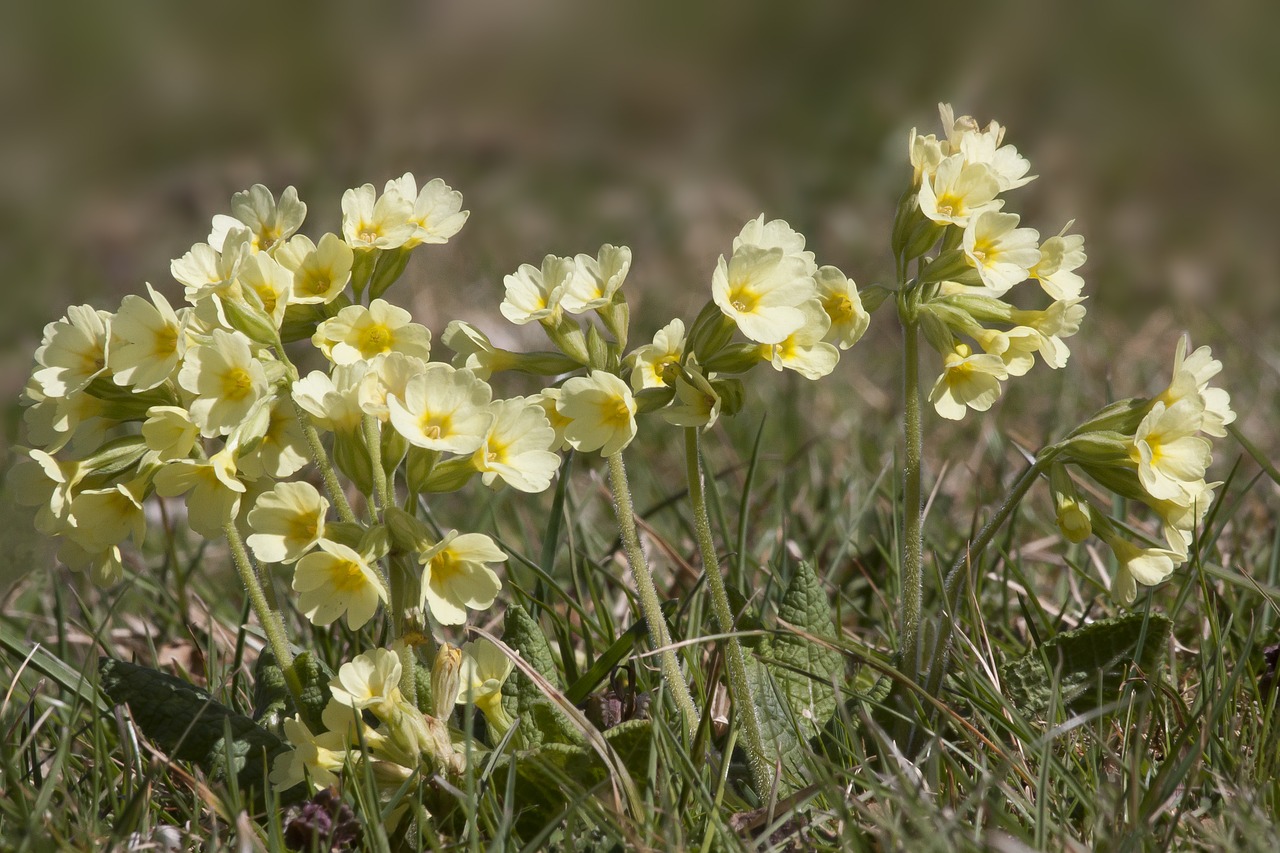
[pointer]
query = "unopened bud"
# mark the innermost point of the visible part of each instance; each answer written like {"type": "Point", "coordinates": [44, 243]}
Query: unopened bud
{"type": "Point", "coordinates": [446, 679]}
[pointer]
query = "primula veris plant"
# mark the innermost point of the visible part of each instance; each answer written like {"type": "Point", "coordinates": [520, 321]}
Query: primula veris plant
{"type": "Point", "coordinates": [328, 477]}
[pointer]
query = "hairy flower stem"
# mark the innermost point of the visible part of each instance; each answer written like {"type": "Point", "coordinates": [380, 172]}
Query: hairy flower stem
{"type": "Point", "coordinates": [373, 438]}
{"type": "Point", "coordinates": [739, 688]}
{"type": "Point", "coordinates": [404, 590]}
{"type": "Point", "coordinates": [911, 588]}
{"type": "Point", "coordinates": [650, 606]}
{"type": "Point", "coordinates": [272, 624]}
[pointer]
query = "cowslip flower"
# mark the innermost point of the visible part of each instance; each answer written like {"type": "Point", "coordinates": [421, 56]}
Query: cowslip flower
{"type": "Point", "coordinates": [455, 576]}
{"type": "Point", "coordinates": [484, 670]}
{"type": "Point", "coordinates": [474, 351]}
{"type": "Point", "coordinates": [270, 282]}
{"type": "Point", "coordinates": [371, 680]}
{"type": "Point", "coordinates": [1168, 450]}
{"type": "Point", "coordinates": [443, 409]}
{"type": "Point", "coordinates": [1060, 257]}
{"type": "Point", "coordinates": [534, 293]}
{"type": "Point", "coordinates": [650, 360]}
{"type": "Point", "coordinates": [1146, 566]}
{"type": "Point", "coordinates": [320, 270]}
{"type": "Point", "coordinates": [776, 234]}
{"type": "Point", "coordinates": [1191, 375]}
{"type": "Point", "coordinates": [105, 568]}
{"type": "Point", "coordinates": [959, 190]}
{"type": "Point", "coordinates": [318, 758]}
{"type": "Point", "coordinates": [226, 379]}
{"type": "Point", "coordinates": [548, 399]}
{"type": "Point", "coordinates": [593, 281]}
{"type": "Point", "coordinates": [281, 450]}
{"type": "Point", "coordinates": [370, 221]}
{"type": "Point", "coordinates": [204, 271]}
{"type": "Point", "coordinates": [804, 350]}
{"type": "Point", "coordinates": [335, 581]}
{"type": "Point", "coordinates": [1002, 253]}
{"type": "Point", "coordinates": [287, 521]}
{"type": "Point", "coordinates": [601, 413]}
{"type": "Point", "coordinates": [54, 422]}
{"type": "Point", "coordinates": [146, 341]}
{"type": "Point", "coordinates": [1016, 347]}
{"type": "Point", "coordinates": [257, 211]}
{"type": "Point", "coordinates": [73, 352]}
{"type": "Point", "coordinates": [968, 381]}
{"type": "Point", "coordinates": [437, 210]}
{"type": "Point", "coordinates": [359, 333]}
{"type": "Point", "coordinates": [387, 375]}
{"type": "Point", "coordinates": [106, 517]}
{"type": "Point", "coordinates": [984, 145]}
{"type": "Point", "coordinates": [1060, 320]}
{"type": "Point", "coordinates": [333, 400]}
{"type": "Point", "coordinates": [840, 299]}
{"type": "Point", "coordinates": [761, 290]}
{"type": "Point", "coordinates": [40, 480]}
{"type": "Point", "coordinates": [517, 447]}
{"type": "Point", "coordinates": [212, 490]}
{"type": "Point", "coordinates": [696, 403]}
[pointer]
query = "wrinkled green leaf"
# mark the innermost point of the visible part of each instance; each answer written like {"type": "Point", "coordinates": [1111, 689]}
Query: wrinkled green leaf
{"type": "Point", "coordinates": [188, 724]}
{"type": "Point", "coordinates": [519, 694]}
{"type": "Point", "coordinates": [1088, 665]}
{"type": "Point", "coordinates": [271, 699]}
{"type": "Point", "coordinates": [792, 679]}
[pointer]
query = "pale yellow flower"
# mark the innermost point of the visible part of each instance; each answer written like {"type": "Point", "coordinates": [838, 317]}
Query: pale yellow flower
{"type": "Point", "coordinates": [1002, 253]}
{"type": "Point", "coordinates": [371, 680]}
{"type": "Point", "coordinates": [601, 413]}
{"type": "Point", "coordinates": [483, 672]}
{"type": "Point", "coordinates": [594, 281]}
{"type": "Point", "coordinates": [204, 271]}
{"type": "Point", "coordinates": [1060, 320]}
{"type": "Point", "coordinates": [761, 291]}
{"type": "Point", "coordinates": [437, 209]}
{"type": "Point", "coordinates": [549, 401]}
{"type": "Point", "coordinates": [984, 145]}
{"type": "Point", "coordinates": [388, 375]}
{"type": "Point", "coordinates": [804, 350]}
{"type": "Point", "coordinates": [959, 190]}
{"type": "Point", "coordinates": [333, 401]}
{"type": "Point", "coordinates": [534, 293]}
{"type": "Point", "coordinates": [776, 234]}
{"type": "Point", "coordinates": [1168, 450]}
{"type": "Point", "coordinates": [455, 576]}
{"type": "Point", "coordinates": [517, 447]}
{"type": "Point", "coordinates": [334, 581]}
{"type": "Point", "coordinates": [696, 403]}
{"type": "Point", "coordinates": [1060, 257]}
{"type": "Point", "coordinates": [370, 221]}
{"type": "Point", "coordinates": [318, 758]}
{"type": "Point", "coordinates": [474, 351]}
{"type": "Point", "coordinates": [106, 517]}
{"type": "Point", "coordinates": [651, 359]}
{"type": "Point", "coordinates": [443, 409]}
{"type": "Point", "coordinates": [270, 282]}
{"type": "Point", "coordinates": [170, 432]}
{"type": "Point", "coordinates": [1016, 347]}
{"type": "Point", "coordinates": [968, 381]}
{"type": "Point", "coordinates": [1146, 566]}
{"type": "Point", "coordinates": [287, 521]}
{"type": "Point", "coordinates": [212, 490]}
{"type": "Point", "coordinates": [105, 568]}
{"type": "Point", "coordinates": [256, 210]}
{"type": "Point", "coordinates": [840, 299]}
{"type": "Point", "coordinates": [47, 483]}
{"type": "Point", "coordinates": [359, 333]}
{"type": "Point", "coordinates": [146, 341]}
{"type": "Point", "coordinates": [73, 352]}
{"type": "Point", "coordinates": [1191, 375]}
{"type": "Point", "coordinates": [320, 271]}
{"type": "Point", "coordinates": [282, 449]}
{"type": "Point", "coordinates": [226, 379]}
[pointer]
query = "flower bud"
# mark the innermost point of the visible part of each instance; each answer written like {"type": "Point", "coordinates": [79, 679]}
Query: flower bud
{"type": "Point", "coordinates": [731, 393]}
{"type": "Point", "coordinates": [1072, 514]}
{"type": "Point", "coordinates": [408, 532]}
{"type": "Point", "coordinates": [446, 679]}
{"type": "Point", "coordinates": [419, 464]}
{"type": "Point", "coordinates": [450, 475]}
{"type": "Point", "coordinates": [568, 337]}
{"type": "Point", "coordinates": [737, 358]}
{"type": "Point", "coordinates": [248, 317]}
{"type": "Point", "coordinates": [387, 270]}
{"type": "Point", "coordinates": [352, 458]}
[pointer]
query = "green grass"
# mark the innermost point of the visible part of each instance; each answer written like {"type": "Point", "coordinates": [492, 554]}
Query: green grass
{"type": "Point", "coordinates": [1182, 757]}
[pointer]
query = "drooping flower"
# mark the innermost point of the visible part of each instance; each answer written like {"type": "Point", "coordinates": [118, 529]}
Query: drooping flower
{"type": "Point", "coordinates": [1060, 257]}
{"type": "Point", "coordinates": [804, 350]}
{"type": "Point", "coordinates": [696, 403]}
{"type": "Point", "coordinates": [534, 293]}
{"type": "Point", "coordinates": [282, 449]}
{"type": "Point", "coordinates": [73, 352]}
{"type": "Point", "coordinates": [318, 758]}
{"type": "Point", "coordinates": [840, 299]}
{"type": "Point", "coordinates": [651, 359]}
{"type": "Point", "coordinates": [106, 517]}
{"type": "Point", "coordinates": [371, 680]}
{"type": "Point", "coordinates": [776, 234]}
{"type": "Point", "coordinates": [484, 670]}
{"type": "Point", "coordinates": [333, 401]}
{"type": "Point", "coordinates": [205, 271]}
{"type": "Point", "coordinates": [1168, 450]}
{"type": "Point", "coordinates": [593, 281]}
{"type": "Point", "coordinates": [212, 490]}
{"type": "Point", "coordinates": [455, 576]}
{"type": "Point", "coordinates": [968, 381]}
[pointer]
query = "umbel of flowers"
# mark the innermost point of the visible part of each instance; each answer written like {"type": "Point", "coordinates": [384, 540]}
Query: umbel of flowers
{"type": "Point", "coordinates": [326, 472]}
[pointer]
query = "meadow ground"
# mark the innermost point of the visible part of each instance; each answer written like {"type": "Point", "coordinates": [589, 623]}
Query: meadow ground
{"type": "Point", "coordinates": [664, 130]}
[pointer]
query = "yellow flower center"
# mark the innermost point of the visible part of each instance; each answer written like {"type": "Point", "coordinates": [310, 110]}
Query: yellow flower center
{"type": "Point", "coordinates": [236, 384]}
{"type": "Point", "coordinates": [435, 425]}
{"type": "Point", "coordinates": [615, 414]}
{"type": "Point", "coordinates": [375, 339]}
{"type": "Point", "coordinates": [166, 342]}
{"type": "Point", "coordinates": [949, 204]}
{"type": "Point", "coordinates": [303, 528]}
{"type": "Point", "coordinates": [743, 299]}
{"type": "Point", "coordinates": [319, 284]}
{"type": "Point", "coordinates": [368, 232]}
{"type": "Point", "coordinates": [347, 576]}
{"type": "Point", "coordinates": [838, 308]}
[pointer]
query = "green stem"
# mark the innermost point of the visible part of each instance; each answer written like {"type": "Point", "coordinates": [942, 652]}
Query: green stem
{"type": "Point", "coordinates": [650, 606]}
{"type": "Point", "coordinates": [272, 624]}
{"type": "Point", "coordinates": [739, 687]}
{"type": "Point", "coordinates": [912, 558]}
{"type": "Point", "coordinates": [373, 438]}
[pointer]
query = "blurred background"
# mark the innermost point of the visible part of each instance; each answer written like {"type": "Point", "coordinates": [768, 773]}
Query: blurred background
{"type": "Point", "coordinates": [665, 125]}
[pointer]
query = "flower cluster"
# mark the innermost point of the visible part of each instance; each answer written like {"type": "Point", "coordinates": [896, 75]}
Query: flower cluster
{"type": "Point", "coordinates": [981, 255]}
{"type": "Point", "coordinates": [1152, 450]}
{"type": "Point", "coordinates": [793, 314]}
